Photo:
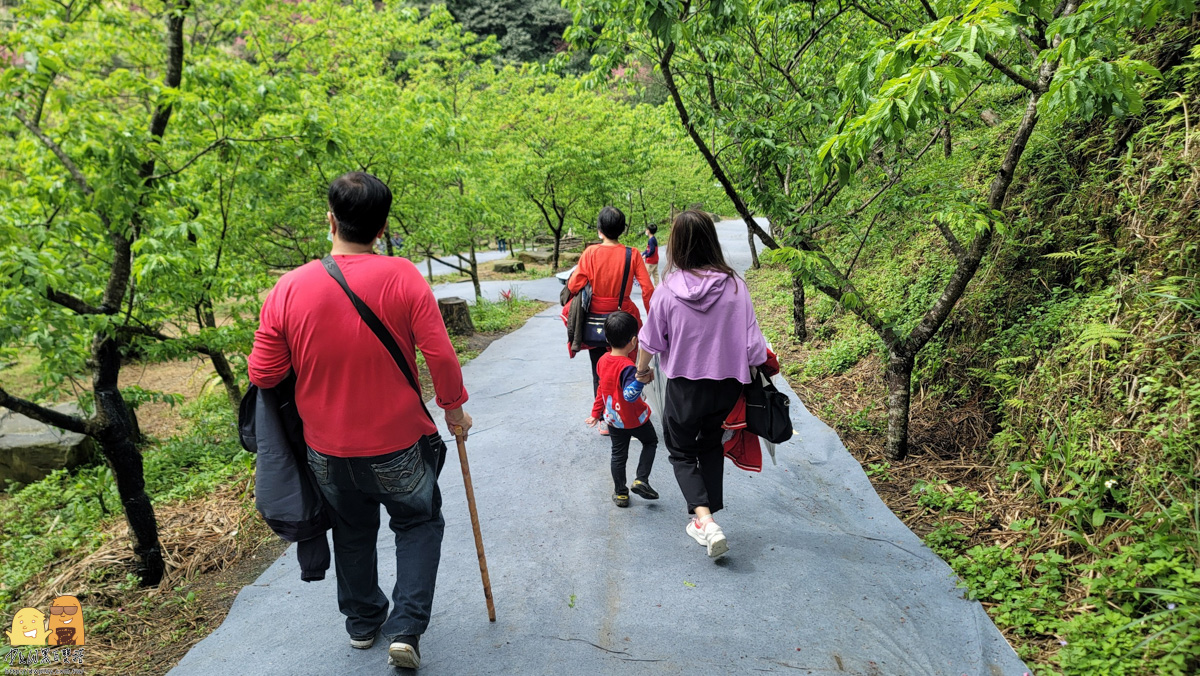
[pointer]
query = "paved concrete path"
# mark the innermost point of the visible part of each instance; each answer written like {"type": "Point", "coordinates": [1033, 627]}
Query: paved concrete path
{"type": "Point", "coordinates": [443, 269]}
{"type": "Point", "coordinates": [821, 578]}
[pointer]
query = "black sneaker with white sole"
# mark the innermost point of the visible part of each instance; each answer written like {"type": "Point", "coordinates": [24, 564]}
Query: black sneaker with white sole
{"type": "Point", "coordinates": [363, 642]}
{"type": "Point", "coordinates": [405, 652]}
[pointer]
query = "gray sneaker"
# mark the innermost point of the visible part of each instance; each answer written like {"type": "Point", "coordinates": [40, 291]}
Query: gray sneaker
{"type": "Point", "coordinates": [405, 652]}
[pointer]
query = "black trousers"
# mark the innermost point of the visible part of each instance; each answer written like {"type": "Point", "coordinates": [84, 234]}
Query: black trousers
{"type": "Point", "coordinates": [620, 453]}
{"type": "Point", "coordinates": [692, 417]}
{"type": "Point", "coordinates": [595, 354]}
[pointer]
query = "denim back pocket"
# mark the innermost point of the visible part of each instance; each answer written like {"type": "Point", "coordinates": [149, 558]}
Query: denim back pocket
{"type": "Point", "coordinates": [319, 465]}
{"type": "Point", "coordinates": [402, 474]}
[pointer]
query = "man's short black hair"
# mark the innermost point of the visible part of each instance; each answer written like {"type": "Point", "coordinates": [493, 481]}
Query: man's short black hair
{"type": "Point", "coordinates": [620, 328]}
{"type": "Point", "coordinates": [360, 204]}
{"type": "Point", "coordinates": [611, 222]}
{"type": "Point", "coordinates": [652, 228]}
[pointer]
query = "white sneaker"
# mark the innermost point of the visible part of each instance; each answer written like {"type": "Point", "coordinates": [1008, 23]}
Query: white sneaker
{"type": "Point", "coordinates": [405, 652]}
{"type": "Point", "coordinates": [710, 535]}
{"type": "Point", "coordinates": [363, 643]}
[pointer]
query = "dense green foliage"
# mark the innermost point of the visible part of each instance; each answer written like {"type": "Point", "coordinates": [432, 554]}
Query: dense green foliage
{"type": "Point", "coordinates": [996, 199]}
{"type": "Point", "coordinates": [164, 158]}
{"type": "Point", "coordinates": [1080, 335]}
{"type": "Point", "coordinates": [527, 30]}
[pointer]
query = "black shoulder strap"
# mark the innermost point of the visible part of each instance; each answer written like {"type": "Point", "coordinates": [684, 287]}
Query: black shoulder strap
{"type": "Point", "coordinates": [624, 277]}
{"type": "Point", "coordinates": [381, 332]}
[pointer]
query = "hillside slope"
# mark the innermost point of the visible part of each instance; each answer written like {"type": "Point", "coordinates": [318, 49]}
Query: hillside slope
{"type": "Point", "coordinates": [1054, 421]}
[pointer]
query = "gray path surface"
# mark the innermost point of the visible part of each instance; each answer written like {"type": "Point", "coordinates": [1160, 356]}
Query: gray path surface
{"type": "Point", "coordinates": [821, 578]}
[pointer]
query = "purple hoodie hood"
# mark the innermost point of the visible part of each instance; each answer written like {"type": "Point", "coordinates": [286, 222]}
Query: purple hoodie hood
{"type": "Point", "coordinates": [702, 325]}
{"type": "Point", "coordinates": [698, 290]}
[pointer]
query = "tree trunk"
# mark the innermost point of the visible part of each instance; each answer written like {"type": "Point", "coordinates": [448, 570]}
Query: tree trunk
{"type": "Point", "coordinates": [228, 378]}
{"type": "Point", "coordinates": [664, 63]}
{"type": "Point", "coordinates": [116, 436]}
{"type": "Point", "coordinates": [221, 364]}
{"type": "Point", "coordinates": [387, 243]}
{"type": "Point", "coordinates": [457, 316]}
{"type": "Point", "coordinates": [557, 246]}
{"type": "Point", "coordinates": [429, 266]}
{"type": "Point", "coordinates": [899, 383]}
{"type": "Point", "coordinates": [753, 251]}
{"type": "Point", "coordinates": [475, 272]}
{"type": "Point", "coordinates": [798, 308]}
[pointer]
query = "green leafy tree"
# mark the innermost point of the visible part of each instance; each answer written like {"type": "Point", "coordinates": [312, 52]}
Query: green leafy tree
{"type": "Point", "coordinates": [151, 149]}
{"type": "Point", "coordinates": [526, 31]}
{"type": "Point", "coordinates": [573, 150]}
{"type": "Point", "coordinates": [817, 95]}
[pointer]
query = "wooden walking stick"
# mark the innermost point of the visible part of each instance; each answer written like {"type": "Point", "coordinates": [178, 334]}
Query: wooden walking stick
{"type": "Point", "coordinates": [466, 470]}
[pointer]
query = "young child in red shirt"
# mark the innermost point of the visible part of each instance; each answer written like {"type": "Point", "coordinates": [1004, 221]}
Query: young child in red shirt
{"type": "Point", "coordinates": [624, 410]}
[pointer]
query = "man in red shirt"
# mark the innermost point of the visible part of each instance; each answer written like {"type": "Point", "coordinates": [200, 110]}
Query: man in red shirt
{"type": "Point", "coordinates": [369, 442]}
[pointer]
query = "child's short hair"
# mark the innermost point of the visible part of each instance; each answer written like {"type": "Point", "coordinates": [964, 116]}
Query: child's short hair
{"type": "Point", "coordinates": [620, 328]}
{"type": "Point", "coordinates": [652, 228]}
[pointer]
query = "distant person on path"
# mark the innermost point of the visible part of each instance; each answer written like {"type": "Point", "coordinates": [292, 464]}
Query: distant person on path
{"type": "Point", "coordinates": [369, 441]}
{"type": "Point", "coordinates": [602, 266]}
{"type": "Point", "coordinates": [619, 404]}
{"type": "Point", "coordinates": [500, 244]}
{"type": "Point", "coordinates": [651, 252]}
{"type": "Point", "coordinates": [702, 326]}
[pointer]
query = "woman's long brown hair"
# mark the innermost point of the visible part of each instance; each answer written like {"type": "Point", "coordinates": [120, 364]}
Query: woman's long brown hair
{"type": "Point", "coordinates": [694, 244]}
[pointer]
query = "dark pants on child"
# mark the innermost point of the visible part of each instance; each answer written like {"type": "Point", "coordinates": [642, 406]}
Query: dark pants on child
{"type": "Point", "coordinates": [595, 354]}
{"type": "Point", "coordinates": [692, 417]}
{"type": "Point", "coordinates": [620, 452]}
{"type": "Point", "coordinates": [405, 483]}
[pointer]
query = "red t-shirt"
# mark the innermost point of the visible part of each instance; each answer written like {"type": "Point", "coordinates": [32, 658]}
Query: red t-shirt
{"type": "Point", "coordinates": [610, 404]}
{"type": "Point", "coordinates": [602, 266]}
{"type": "Point", "coordinates": [351, 395]}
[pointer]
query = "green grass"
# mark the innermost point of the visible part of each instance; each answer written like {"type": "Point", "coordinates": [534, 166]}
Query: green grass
{"type": "Point", "coordinates": [503, 315]}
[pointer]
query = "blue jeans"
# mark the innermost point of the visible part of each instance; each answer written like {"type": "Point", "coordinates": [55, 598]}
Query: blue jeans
{"type": "Point", "coordinates": [405, 483]}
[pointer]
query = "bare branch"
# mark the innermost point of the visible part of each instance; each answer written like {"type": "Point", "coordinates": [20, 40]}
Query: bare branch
{"type": "Point", "coordinates": [212, 146]}
{"type": "Point", "coordinates": [886, 24]}
{"type": "Point", "coordinates": [62, 156]}
{"type": "Point", "coordinates": [77, 305]}
{"type": "Point", "coordinates": [45, 415]}
{"type": "Point", "coordinates": [861, 243]}
{"type": "Point", "coordinates": [126, 331]}
{"type": "Point", "coordinates": [951, 241]}
{"type": "Point", "coordinates": [1012, 74]}
{"type": "Point", "coordinates": [664, 63]}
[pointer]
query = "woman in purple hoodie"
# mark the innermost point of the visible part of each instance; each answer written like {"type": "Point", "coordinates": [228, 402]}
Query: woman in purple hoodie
{"type": "Point", "coordinates": [702, 325]}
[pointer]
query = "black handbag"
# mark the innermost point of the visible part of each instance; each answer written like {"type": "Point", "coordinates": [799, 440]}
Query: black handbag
{"type": "Point", "coordinates": [768, 413]}
{"type": "Point", "coordinates": [434, 441]}
{"type": "Point", "coordinates": [593, 324]}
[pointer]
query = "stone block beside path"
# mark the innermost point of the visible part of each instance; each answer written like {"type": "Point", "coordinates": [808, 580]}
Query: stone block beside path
{"type": "Point", "coordinates": [30, 450]}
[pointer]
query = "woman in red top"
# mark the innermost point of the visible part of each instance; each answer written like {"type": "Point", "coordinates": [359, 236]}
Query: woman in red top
{"type": "Point", "coordinates": [603, 266]}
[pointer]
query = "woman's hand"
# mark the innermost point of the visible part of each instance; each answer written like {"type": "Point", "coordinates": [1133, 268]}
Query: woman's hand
{"type": "Point", "coordinates": [644, 373]}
